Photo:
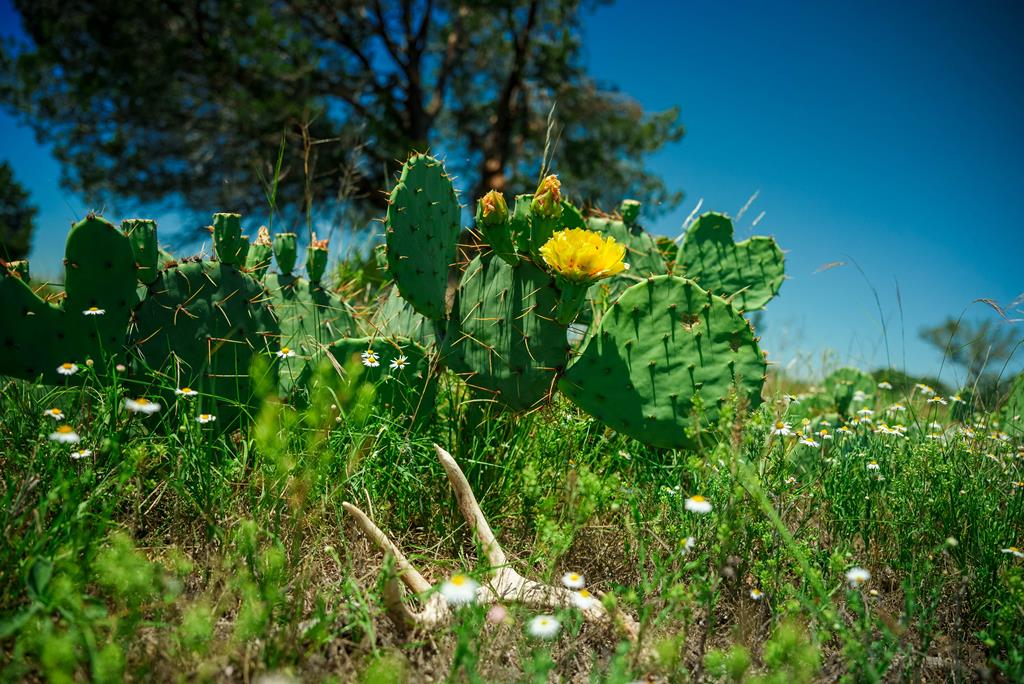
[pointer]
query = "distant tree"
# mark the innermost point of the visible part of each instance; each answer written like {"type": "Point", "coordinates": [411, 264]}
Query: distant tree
{"type": "Point", "coordinates": [187, 102]}
{"type": "Point", "coordinates": [17, 216]}
{"type": "Point", "coordinates": [977, 346]}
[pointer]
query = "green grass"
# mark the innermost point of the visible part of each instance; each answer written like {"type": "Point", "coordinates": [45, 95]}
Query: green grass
{"type": "Point", "coordinates": [175, 552]}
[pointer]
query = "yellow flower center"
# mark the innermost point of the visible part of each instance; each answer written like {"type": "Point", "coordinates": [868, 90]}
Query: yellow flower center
{"type": "Point", "coordinates": [65, 429]}
{"type": "Point", "coordinates": [583, 255]}
{"type": "Point", "coordinates": [186, 390]}
{"type": "Point", "coordinates": [285, 350]}
{"type": "Point", "coordinates": [697, 498]}
{"type": "Point", "coordinates": [458, 580]}
{"type": "Point", "coordinates": [584, 593]}
{"type": "Point", "coordinates": [66, 366]}
{"type": "Point", "coordinates": [142, 402]}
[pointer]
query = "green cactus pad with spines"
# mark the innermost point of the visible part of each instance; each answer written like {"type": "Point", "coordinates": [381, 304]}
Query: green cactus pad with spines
{"type": "Point", "coordinates": [664, 341]}
{"type": "Point", "coordinates": [751, 272]}
{"type": "Point", "coordinates": [286, 251]}
{"type": "Point", "coordinates": [316, 264]}
{"type": "Point", "coordinates": [508, 338]}
{"type": "Point", "coordinates": [228, 242]}
{"type": "Point", "coordinates": [258, 260]}
{"type": "Point", "coordinates": [37, 336]}
{"type": "Point", "coordinates": [423, 223]}
{"type": "Point", "coordinates": [142, 235]}
{"type": "Point", "coordinates": [410, 391]}
{"type": "Point", "coordinates": [642, 253]}
{"type": "Point", "coordinates": [310, 317]}
{"type": "Point", "coordinates": [395, 317]}
{"type": "Point", "coordinates": [201, 325]}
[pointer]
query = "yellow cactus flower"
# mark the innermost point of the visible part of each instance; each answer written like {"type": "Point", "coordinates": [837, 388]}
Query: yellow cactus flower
{"type": "Point", "coordinates": [583, 255]}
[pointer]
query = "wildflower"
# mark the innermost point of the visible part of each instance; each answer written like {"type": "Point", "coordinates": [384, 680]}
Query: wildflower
{"type": "Point", "coordinates": [285, 353]}
{"type": "Point", "coordinates": [956, 399]}
{"type": "Point", "coordinates": [872, 465]}
{"type": "Point", "coordinates": [67, 368]}
{"type": "Point", "coordinates": [807, 440]}
{"type": "Point", "coordinates": [65, 434]}
{"type": "Point", "coordinates": [782, 428]}
{"type": "Point", "coordinates": [497, 614]}
{"type": "Point", "coordinates": [688, 545]}
{"type": "Point", "coordinates": [370, 358]}
{"type": "Point", "coordinates": [698, 504]}
{"type": "Point", "coordinates": [952, 542]}
{"type": "Point", "coordinates": [81, 453]}
{"type": "Point", "coordinates": [204, 418]}
{"type": "Point", "coordinates": [790, 399]}
{"type": "Point", "coordinates": [937, 399]}
{"type": "Point", "coordinates": [543, 627]}
{"type": "Point", "coordinates": [860, 396]}
{"type": "Point", "coordinates": [865, 413]}
{"type": "Point", "coordinates": [857, 577]}
{"type": "Point", "coordinates": [924, 389]}
{"type": "Point", "coordinates": [120, 368]}
{"type": "Point", "coordinates": [583, 599]}
{"type": "Point", "coordinates": [54, 413]}
{"type": "Point", "coordinates": [399, 363]}
{"type": "Point", "coordinates": [790, 480]}
{"type": "Point", "coordinates": [756, 594]}
{"type": "Point", "coordinates": [1013, 550]}
{"type": "Point", "coordinates": [547, 200]}
{"type": "Point", "coordinates": [583, 256]}
{"type": "Point", "coordinates": [896, 407]}
{"type": "Point", "coordinates": [967, 432]}
{"type": "Point", "coordinates": [185, 392]}
{"type": "Point", "coordinates": [573, 580]}
{"type": "Point", "coordinates": [141, 406]}
{"type": "Point", "coordinates": [845, 429]}
{"type": "Point", "coordinates": [824, 434]}
{"type": "Point", "coordinates": [885, 385]}
{"type": "Point", "coordinates": [1017, 484]}
{"type": "Point", "coordinates": [94, 311]}
{"type": "Point", "coordinates": [493, 209]}
{"type": "Point", "coordinates": [459, 590]}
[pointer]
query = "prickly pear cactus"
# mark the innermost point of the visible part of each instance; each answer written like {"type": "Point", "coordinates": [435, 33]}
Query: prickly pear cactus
{"type": "Point", "coordinates": [395, 317]}
{"type": "Point", "coordinates": [310, 317]}
{"type": "Point", "coordinates": [845, 385]}
{"type": "Point", "coordinates": [423, 223]}
{"type": "Point", "coordinates": [89, 324]}
{"type": "Point", "coordinates": [142, 235]}
{"type": "Point", "coordinates": [750, 271]}
{"type": "Point", "coordinates": [201, 326]}
{"type": "Point", "coordinates": [399, 368]}
{"type": "Point", "coordinates": [507, 336]}
{"type": "Point", "coordinates": [662, 343]}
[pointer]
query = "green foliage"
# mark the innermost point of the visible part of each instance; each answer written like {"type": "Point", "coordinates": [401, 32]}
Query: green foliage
{"type": "Point", "coordinates": [17, 216]}
{"type": "Point", "coordinates": [100, 277]}
{"type": "Point", "coordinates": [663, 348]}
{"type": "Point", "coordinates": [423, 223]}
{"type": "Point", "coordinates": [749, 273]}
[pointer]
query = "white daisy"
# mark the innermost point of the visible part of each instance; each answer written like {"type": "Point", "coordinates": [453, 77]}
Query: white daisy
{"type": "Point", "coordinates": [141, 405]}
{"type": "Point", "coordinates": [573, 580]}
{"type": "Point", "coordinates": [204, 418]}
{"type": "Point", "coordinates": [94, 311]}
{"type": "Point", "coordinates": [937, 399]}
{"type": "Point", "coordinates": [885, 385]}
{"type": "Point", "coordinates": [399, 363]}
{"type": "Point", "coordinates": [924, 389]}
{"type": "Point", "coordinates": [370, 358]}
{"type": "Point", "coordinates": [956, 399]}
{"type": "Point", "coordinates": [688, 545]}
{"type": "Point", "coordinates": [54, 413]}
{"type": "Point", "coordinates": [824, 434]}
{"type": "Point", "coordinates": [782, 428]}
{"type": "Point", "coordinates": [857, 577]}
{"type": "Point", "coordinates": [285, 353]}
{"type": "Point", "coordinates": [459, 590]}
{"type": "Point", "coordinates": [583, 599]}
{"type": "Point", "coordinates": [185, 392]}
{"type": "Point", "coordinates": [860, 396]}
{"type": "Point", "coordinates": [82, 453]}
{"type": "Point", "coordinates": [1013, 550]}
{"type": "Point", "coordinates": [845, 429]}
{"type": "Point", "coordinates": [896, 407]}
{"type": "Point", "coordinates": [543, 627]}
{"type": "Point", "coordinates": [756, 594]}
{"type": "Point", "coordinates": [791, 480]}
{"type": "Point", "coordinates": [697, 504]}
{"type": "Point", "coordinates": [873, 465]}
{"type": "Point", "coordinates": [67, 368]}
{"type": "Point", "coordinates": [65, 434]}
{"type": "Point", "coordinates": [808, 441]}
{"type": "Point", "coordinates": [865, 413]}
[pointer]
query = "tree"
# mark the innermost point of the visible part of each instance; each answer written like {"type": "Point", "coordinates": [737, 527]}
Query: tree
{"type": "Point", "coordinates": [17, 217]}
{"type": "Point", "coordinates": [188, 102]}
{"type": "Point", "coordinates": [977, 346]}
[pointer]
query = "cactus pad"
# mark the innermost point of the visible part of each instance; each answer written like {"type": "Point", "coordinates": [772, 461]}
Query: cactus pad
{"type": "Point", "coordinates": [664, 341]}
{"type": "Point", "coordinates": [201, 326]}
{"type": "Point", "coordinates": [751, 272]}
{"type": "Point", "coordinates": [396, 318]}
{"type": "Point", "coordinates": [508, 338]}
{"type": "Point", "coordinates": [310, 317]}
{"type": "Point", "coordinates": [100, 276]}
{"type": "Point", "coordinates": [142, 235]}
{"type": "Point", "coordinates": [423, 222]}
{"type": "Point", "coordinates": [842, 386]}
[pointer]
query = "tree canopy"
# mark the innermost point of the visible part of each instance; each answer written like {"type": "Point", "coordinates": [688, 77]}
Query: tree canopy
{"type": "Point", "coordinates": [188, 103]}
{"type": "Point", "coordinates": [17, 216]}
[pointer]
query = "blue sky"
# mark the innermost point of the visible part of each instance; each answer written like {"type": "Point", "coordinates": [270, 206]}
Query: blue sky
{"type": "Point", "coordinates": [881, 134]}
